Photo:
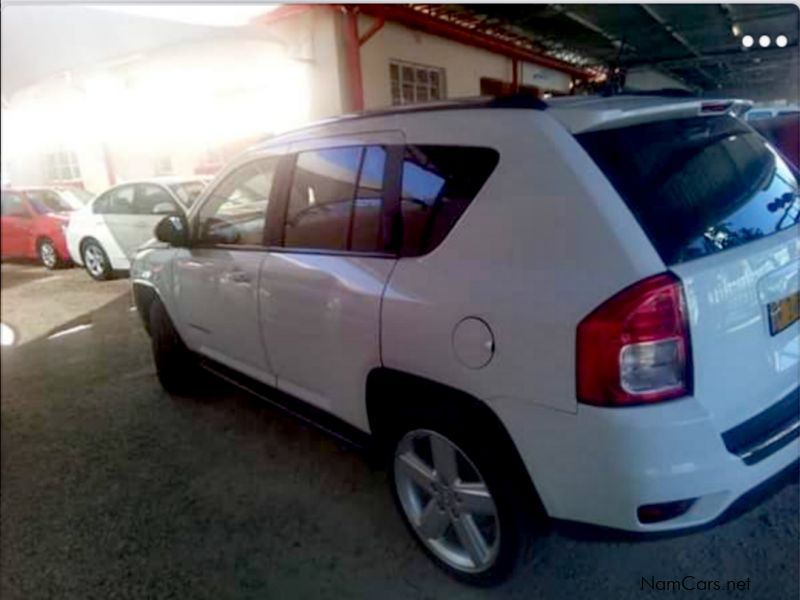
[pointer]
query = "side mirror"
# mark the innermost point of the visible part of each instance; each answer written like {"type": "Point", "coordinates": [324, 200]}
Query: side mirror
{"type": "Point", "coordinates": [173, 230]}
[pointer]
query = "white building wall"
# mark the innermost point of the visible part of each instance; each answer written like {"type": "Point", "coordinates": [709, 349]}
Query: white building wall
{"type": "Point", "coordinates": [463, 65]}
{"type": "Point", "coordinates": [315, 38]}
{"type": "Point", "coordinates": [184, 100]}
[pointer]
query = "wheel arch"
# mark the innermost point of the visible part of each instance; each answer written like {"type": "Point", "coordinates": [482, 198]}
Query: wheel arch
{"type": "Point", "coordinates": [41, 237]}
{"type": "Point", "coordinates": [85, 240]}
{"type": "Point", "coordinates": [393, 396]}
{"type": "Point", "coordinates": [143, 297]}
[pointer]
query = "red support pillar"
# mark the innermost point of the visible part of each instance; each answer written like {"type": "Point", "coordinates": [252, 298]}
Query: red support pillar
{"type": "Point", "coordinates": [514, 75]}
{"type": "Point", "coordinates": [353, 52]}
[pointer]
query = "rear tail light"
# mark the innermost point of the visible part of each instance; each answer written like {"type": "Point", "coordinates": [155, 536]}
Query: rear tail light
{"type": "Point", "coordinates": [634, 348]}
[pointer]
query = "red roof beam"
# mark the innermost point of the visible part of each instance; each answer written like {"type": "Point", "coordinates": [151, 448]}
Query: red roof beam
{"type": "Point", "coordinates": [417, 20]}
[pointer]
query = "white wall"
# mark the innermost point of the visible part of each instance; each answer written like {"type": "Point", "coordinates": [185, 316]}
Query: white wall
{"type": "Point", "coordinates": [464, 65]}
{"type": "Point", "coordinates": [178, 101]}
{"type": "Point", "coordinates": [315, 38]}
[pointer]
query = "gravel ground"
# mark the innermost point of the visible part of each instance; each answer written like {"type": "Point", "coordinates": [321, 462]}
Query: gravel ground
{"type": "Point", "coordinates": [113, 489]}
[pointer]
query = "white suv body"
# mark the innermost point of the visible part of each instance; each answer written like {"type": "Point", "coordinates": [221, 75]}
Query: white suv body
{"type": "Point", "coordinates": [493, 311]}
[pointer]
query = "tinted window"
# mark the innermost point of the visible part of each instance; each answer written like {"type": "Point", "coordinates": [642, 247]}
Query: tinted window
{"type": "Point", "coordinates": [153, 199]}
{"type": "Point", "coordinates": [118, 201]}
{"type": "Point", "coordinates": [697, 186]}
{"type": "Point", "coordinates": [438, 184]}
{"type": "Point", "coordinates": [188, 191]}
{"type": "Point", "coordinates": [321, 199]}
{"type": "Point", "coordinates": [12, 205]}
{"type": "Point", "coordinates": [758, 114]}
{"type": "Point", "coordinates": [46, 201]}
{"type": "Point", "coordinates": [365, 235]}
{"type": "Point", "coordinates": [236, 211]}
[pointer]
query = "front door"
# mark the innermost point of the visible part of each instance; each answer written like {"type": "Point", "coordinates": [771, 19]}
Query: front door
{"type": "Point", "coordinates": [321, 290]}
{"type": "Point", "coordinates": [17, 225]}
{"type": "Point", "coordinates": [217, 279]}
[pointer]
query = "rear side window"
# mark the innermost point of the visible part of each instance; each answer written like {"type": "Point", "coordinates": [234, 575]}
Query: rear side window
{"type": "Point", "coordinates": [336, 200]}
{"type": "Point", "coordinates": [697, 186]}
{"type": "Point", "coordinates": [438, 184]}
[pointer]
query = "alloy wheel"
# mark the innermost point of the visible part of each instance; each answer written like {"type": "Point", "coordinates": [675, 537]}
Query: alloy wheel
{"type": "Point", "coordinates": [95, 262]}
{"type": "Point", "coordinates": [48, 255]}
{"type": "Point", "coordinates": [446, 500]}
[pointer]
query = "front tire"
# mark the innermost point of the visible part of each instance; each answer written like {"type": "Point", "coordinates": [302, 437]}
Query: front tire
{"type": "Point", "coordinates": [176, 366]}
{"type": "Point", "coordinates": [96, 262]}
{"type": "Point", "coordinates": [48, 255]}
{"type": "Point", "coordinates": [458, 501]}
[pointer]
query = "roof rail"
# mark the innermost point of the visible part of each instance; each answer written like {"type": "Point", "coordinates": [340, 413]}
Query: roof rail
{"type": "Point", "coordinates": [513, 101]}
{"type": "Point", "coordinates": [508, 101]}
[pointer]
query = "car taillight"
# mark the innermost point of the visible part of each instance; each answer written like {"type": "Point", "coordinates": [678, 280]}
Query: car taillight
{"type": "Point", "coordinates": [634, 348]}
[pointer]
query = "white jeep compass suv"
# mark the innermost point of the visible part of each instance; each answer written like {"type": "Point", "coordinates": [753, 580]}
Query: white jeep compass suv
{"type": "Point", "coordinates": [586, 309]}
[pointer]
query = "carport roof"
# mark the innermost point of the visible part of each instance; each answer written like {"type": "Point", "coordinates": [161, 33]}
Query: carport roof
{"type": "Point", "coordinates": [694, 43]}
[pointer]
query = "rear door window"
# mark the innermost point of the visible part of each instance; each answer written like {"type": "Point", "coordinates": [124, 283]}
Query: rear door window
{"type": "Point", "coordinates": [697, 186]}
{"type": "Point", "coordinates": [321, 198]}
{"type": "Point", "coordinates": [336, 200]}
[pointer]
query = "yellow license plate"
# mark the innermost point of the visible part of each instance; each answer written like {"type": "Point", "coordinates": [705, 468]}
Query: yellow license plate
{"type": "Point", "coordinates": [783, 313]}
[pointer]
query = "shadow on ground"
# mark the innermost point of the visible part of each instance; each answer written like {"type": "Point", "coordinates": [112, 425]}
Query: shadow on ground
{"type": "Point", "coordinates": [112, 488]}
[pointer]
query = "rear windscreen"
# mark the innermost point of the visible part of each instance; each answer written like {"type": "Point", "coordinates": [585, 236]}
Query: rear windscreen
{"type": "Point", "coordinates": [697, 186]}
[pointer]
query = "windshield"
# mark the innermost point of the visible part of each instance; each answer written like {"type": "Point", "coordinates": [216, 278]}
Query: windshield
{"type": "Point", "coordinates": [188, 191]}
{"type": "Point", "coordinates": [698, 186]}
{"type": "Point", "coordinates": [78, 195]}
{"type": "Point", "coordinates": [46, 201]}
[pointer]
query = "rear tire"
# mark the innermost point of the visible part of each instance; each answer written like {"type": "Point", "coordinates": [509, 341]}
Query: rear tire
{"type": "Point", "coordinates": [176, 366]}
{"type": "Point", "coordinates": [48, 255]}
{"type": "Point", "coordinates": [96, 262]}
{"type": "Point", "coordinates": [483, 468]}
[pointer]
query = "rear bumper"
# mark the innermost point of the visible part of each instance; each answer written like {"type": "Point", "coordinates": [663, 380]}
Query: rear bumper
{"type": "Point", "coordinates": [600, 465]}
{"type": "Point", "coordinates": [73, 250]}
{"type": "Point", "coordinates": [60, 244]}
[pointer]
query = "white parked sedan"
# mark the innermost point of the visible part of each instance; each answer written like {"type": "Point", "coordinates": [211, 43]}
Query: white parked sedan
{"type": "Point", "coordinates": [585, 309]}
{"type": "Point", "coordinates": [103, 235]}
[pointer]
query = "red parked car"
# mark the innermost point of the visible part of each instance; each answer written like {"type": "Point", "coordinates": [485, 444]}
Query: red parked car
{"type": "Point", "coordinates": [33, 223]}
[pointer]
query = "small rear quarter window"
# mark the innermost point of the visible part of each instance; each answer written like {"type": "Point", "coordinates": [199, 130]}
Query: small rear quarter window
{"type": "Point", "coordinates": [438, 184]}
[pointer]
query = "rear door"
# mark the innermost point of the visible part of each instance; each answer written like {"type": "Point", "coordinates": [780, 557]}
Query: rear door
{"type": "Point", "coordinates": [721, 207]}
{"type": "Point", "coordinates": [322, 283]}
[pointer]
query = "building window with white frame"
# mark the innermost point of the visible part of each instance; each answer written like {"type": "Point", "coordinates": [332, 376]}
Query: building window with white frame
{"type": "Point", "coordinates": [62, 166]}
{"type": "Point", "coordinates": [415, 83]}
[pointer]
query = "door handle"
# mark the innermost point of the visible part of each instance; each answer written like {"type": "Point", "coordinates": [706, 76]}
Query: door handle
{"type": "Point", "coordinates": [240, 277]}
